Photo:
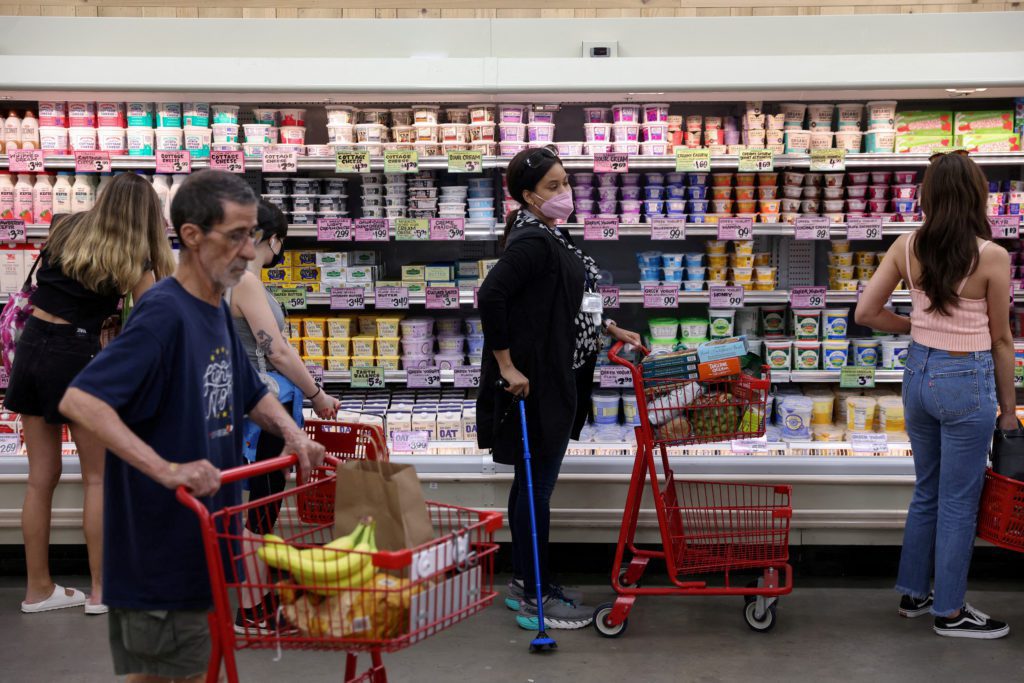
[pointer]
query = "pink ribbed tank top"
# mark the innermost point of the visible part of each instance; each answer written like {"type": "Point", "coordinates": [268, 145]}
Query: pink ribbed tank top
{"type": "Point", "coordinates": [964, 329]}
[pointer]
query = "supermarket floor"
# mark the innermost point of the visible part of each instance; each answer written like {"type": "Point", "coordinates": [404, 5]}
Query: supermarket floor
{"type": "Point", "coordinates": [825, 633]}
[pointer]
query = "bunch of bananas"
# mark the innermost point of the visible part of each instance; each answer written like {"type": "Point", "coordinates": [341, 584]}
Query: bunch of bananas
{"type": "Point", "coordinates": [344, 563]}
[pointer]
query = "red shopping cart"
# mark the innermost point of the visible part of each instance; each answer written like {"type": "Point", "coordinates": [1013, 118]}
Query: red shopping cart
{"type": "Point", "coordinates": [707, 528]}
{"type": "Point", "coordinates": [393, 599]}
{"type": "Point", "coordinates": [1001, 512]}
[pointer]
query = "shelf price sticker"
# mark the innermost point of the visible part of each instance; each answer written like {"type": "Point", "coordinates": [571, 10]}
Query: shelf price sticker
{"type": "Point", "coordinates": [423, 378]}
{"type": "Point", "coordinates": [828, 160]}
{"type": "Point", "coordinates": [291, 298]}
{"type": "Point", "coordinates": [869, 443]}
{"type": "Point", "coordinates": [467, 376]}
{"type": "Point", "coordinates": [442, 298]}
{"type": "Point", "coordinates": [601, 229]}
{"type": "Point", "coordinates": [25, 160]}
{"type": "Point", "coordinates": [693, 160]}
{"type": "Point", "coordinates": [352, 162]}
{"type": "Point", "coordinates": [661, 296]}
{"type": "Point", "coordinates": [280, 161]}
{"type": "Point", "coordinates": [668, 229]}
{"type": "Point", "coordinates": [92, 161]}
{"type": "Point", "coordinates": [173, 161]}
{"type": "Point", "coordinates": [348, 298]}
{"type": "Point", "coordinates": [735, 228]}
{"type": "Point", "coordinates": [615, 377]}
{"type": "Point", "coordinates": [10, 444]}
{"type": "Point", "coordinates": [852, 377]}
{"type": "Point", "coordinates": [611, 162]}
{"type": "Point", "coordinates": [12, 230]}
{"type": "Point", "coordinates": [1005, 227]}
{"type": "Point", "coordinates": [812, 228]}
{"type": "Point", "coordinates": [372, 230]}
{"type": "Point", "coordinates": [412, 229]}
{"type": "Point", "coordinates": [316, 372]}
{"type": "Point", "coordinates": [333, 229]}
{"type": "Point", "coordinates": [401, 161]}
{"type": "Point", "coordinates": [609, 297]}
{"type": "Point", "coordinates": [756, 161]}
{"type": "Point", "coordinates": [447, 229]}
{"type": "Point", "coordinates": [807, 297]}
{"type": "Point", "coordinates": [391, 298]}
{"type": "Point", "coordinates": [465, 161]}
{"type": "Point", "coordinates": [725, 297]}
{"type": "Point", "coordinates": [230, 161]}
{"type": "Point", "coordinates": [366, 378]}
{"type": "Point", "coordinates": [756, 446]}
{"type": "Point", "coordinates": [409, 441]}
{"type": "Point", "coordinates": [863, 228]}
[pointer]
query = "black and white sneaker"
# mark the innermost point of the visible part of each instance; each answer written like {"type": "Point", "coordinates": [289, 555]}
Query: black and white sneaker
{"type": "Point", "coordinates": [971, 623]}
{"type": "Point", "coordinates": [912, 607]}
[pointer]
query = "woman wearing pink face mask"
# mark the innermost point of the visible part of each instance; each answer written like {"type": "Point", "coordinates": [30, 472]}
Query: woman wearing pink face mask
{"type": "Point", "coordinates": [542, 320]}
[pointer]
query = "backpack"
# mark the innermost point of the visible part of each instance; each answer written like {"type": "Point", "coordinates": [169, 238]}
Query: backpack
{"type": "Point", "coordinates": [14, 317]}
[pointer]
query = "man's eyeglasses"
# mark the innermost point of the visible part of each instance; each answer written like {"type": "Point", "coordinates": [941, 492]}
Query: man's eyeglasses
{"type": "Point", "coordinates": [958, 152]}
{"type": "Point", "coordinates": [534, 160]}
{"type": "Point", "coordinates": [237, 238]}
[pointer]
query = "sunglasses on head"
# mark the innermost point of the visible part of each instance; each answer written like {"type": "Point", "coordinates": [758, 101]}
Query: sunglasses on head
{"type": "Point", "coordinates": [958, 152]}
{"type": "Point", "coordinates": [534, 159]}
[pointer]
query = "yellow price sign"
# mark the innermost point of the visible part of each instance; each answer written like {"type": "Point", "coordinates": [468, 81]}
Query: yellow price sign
{"type": "Point", "coordinates": [828, 160]}
{"type": "Point", "coordinates": [693, 160]}
{"type": "Point", "coordinates": [352, 162]}
{"type": "Point", "coordinates": [411, 229]}
{"type": "Point", "coordinates": [757, 161]}
{"type": "Point", "coordinates": [401, 161]}
{"type": "Point", "coordinates": [465, 161]}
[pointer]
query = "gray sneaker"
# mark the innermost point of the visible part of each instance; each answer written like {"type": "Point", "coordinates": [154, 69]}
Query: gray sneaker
{"type": "Point", "coordinates": [558, 614]}
{"type": "Point", "coordinates": [514, 594]}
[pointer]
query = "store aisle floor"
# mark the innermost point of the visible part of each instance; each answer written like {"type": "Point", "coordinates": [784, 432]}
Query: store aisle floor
{"type": "Point", "coordinates": [823, 634]}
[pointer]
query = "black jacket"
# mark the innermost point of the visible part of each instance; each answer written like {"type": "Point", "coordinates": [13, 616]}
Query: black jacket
{"type": "Point", "coordinates": [528, 304]}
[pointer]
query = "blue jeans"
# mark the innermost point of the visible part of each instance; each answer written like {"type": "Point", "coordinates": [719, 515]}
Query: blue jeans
{"type": "Point", "coordinates": [950, 406]}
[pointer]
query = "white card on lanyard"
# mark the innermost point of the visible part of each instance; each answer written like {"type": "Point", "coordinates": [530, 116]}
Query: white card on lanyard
{"type": "Point", "coordinates": [593, 302]}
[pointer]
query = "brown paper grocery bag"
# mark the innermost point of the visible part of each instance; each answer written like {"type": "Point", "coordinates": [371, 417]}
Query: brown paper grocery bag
{"type": "Point", "coordinates": [388, 492]}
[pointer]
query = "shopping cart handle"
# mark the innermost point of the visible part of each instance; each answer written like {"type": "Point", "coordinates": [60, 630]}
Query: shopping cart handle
{"type": "Point", "coordinates": [613, 354]}
{"type": "Point", "coordinates": [282, 462]}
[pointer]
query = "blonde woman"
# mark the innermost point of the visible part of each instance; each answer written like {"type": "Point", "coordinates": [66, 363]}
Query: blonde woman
{"type": "Point", "coordinates": [90, 263]}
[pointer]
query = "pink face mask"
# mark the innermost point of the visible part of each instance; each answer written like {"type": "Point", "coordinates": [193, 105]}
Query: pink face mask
{"type": "Point", "coordinates": [559, 207]}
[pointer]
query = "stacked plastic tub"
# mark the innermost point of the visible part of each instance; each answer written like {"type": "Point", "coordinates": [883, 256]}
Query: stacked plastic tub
{"type": "Point", "coordinates": [373, 195]}
{"type": "Point", "coordinates": [420, 198]}
{"type": "Point", "coordinates": [597, 130]}
{"type": "Point", "coordinates": [480, 199]}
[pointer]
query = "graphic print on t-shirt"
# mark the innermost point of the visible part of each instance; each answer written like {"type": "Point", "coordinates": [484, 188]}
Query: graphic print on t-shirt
{"type": "Point", "coordinates": [217, 394]}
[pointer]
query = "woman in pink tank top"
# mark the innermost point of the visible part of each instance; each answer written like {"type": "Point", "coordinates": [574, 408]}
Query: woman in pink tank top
{"type": "Point", "coordinates": [958, 370]}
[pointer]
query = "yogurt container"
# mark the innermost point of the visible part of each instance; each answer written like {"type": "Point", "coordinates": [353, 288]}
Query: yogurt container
{"type": "Point", "coordinates": [655, 113]}
{"type": "Point", "coordinates": [836, 323]}
{"type": "Point", "coordinates": [890, 414]}
{"type": "Point", "coordinates": [819, 117]}
{"type": "Point", "coordinates": [337, 115]}
{"type": "Point", "coordinates": [794, 113]}
{"type": "Point", "coordinates": [865, 353]}
{"type": "Point", "coordinates": [822, 408]}
{"type": "Point", "coordinates": [605, 407]}
{"type": "Point", "coordinates": [880, 141]}
{"type": "Point", "coordinates": [511, 113]}
{"type": "Point", "coordinates": [626, 113]}
{"type": "Point", "coordinates": [806, 355]}
{"type": "Point", "coordinates": [835, 353]}
{"type": "Point", "coordinates": [881, 114]}
{"type": "Point", "coordinates": [722, 322]}
{"type": "Point", "coordinates": [596, 115]}
{"type": "Point", "coordinates": [799, 141]}
{"type": "Point", "coordinates": [860, 413]}
{"type": "Point", "coordinates": [850, 140]}
{"type": "Point", "coordinates": [794, 417]}
{"type": "Point", "coordinates": [849, 116]}
{"type": "Point", "coordinates": [773, 321]}
{"type": "Point", "coordinates": [541, 132]}
{"type": "Point", "coordinates": [665, 328]}
{"type": "Point", "coordinates": [894, 353]}
{"type": "Point", "coordinates": [807, 323]}
{"type": "Point", "coordinates": [777, 353]}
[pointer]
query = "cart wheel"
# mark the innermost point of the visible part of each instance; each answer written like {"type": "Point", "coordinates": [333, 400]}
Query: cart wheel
{"type": "Point", "coordinates": [627, 584]}
{"type": "Point", "coordinates": [603, 627]}
{"type": "Point", "coordinates": [767, 621]}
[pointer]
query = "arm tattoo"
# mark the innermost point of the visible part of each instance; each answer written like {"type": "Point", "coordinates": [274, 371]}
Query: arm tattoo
{"type": "Point", "coordinates": [263, 343]}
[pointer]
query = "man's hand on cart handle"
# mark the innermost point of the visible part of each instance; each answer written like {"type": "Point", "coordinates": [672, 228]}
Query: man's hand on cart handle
{"type": "Point", "coordinates": [200, 477]}
{"type": "Point", "coordinates": [311, 454]}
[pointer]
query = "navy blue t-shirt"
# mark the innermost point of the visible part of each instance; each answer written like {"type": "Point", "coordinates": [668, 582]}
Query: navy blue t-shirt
{"type": "Point", "coordinates": [179, 378]}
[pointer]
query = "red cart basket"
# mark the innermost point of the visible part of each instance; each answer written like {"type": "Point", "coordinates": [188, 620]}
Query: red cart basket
{"type": "Point", "coordinates": [396, 599]}
{"type": "Point", "coordinates": [706, 528]}
{"type": "Point", "coordinates": [1001, 512]}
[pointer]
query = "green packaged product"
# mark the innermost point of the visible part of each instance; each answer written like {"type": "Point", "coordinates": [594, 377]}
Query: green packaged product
{"type": "Point", "coordinates": [924, 122]}
{"type": "Point", "coordinates": [997, 121]}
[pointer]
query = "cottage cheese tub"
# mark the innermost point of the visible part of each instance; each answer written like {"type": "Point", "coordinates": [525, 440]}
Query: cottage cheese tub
{"type": "Point", "coordinates": [339, 115]}
{"type": "Point", "coordinates": [228, 132]}
{"type": "Point", "coordinates": [110, 115]}
{"type": "Point", "coordinates": [288, 117]}
{"type": "Point", "coordinates": [226, 113]}
{"type": "Point", "coordinates": [81, 114]}
{"type": "Point", "coordinates": [260, 133]}
{"type": "Point", "coordinates": [197, 141]}
{"type": "Point", "coordinates": [169, 138]}
{"type": "Point", "coordinates": [140, 141]}
{"type": "Point", "coordinates": [270, 117]}
{"type": "Point", "coordinates": [53, 140]}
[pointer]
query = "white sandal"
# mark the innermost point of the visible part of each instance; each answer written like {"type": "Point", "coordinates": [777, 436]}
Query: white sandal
{"type": "Point", "coordinates": [59, 599]}
{"type": "Point", "coordinates": [97, 608]}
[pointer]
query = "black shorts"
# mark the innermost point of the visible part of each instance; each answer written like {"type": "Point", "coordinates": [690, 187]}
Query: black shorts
{"type": "Point", "coordinates": [48, 357]}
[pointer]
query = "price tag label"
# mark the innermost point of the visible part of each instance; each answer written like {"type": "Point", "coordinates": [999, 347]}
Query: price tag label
{"type": "Point", "coordinates": [869, 443]}
{"type": "Point", "coordinates": [661, 296]}
{"type": "Point", "coordinates": [609, 297]}
{"type": "Point", "coordinates": [231, 162]}
{"type": "Point", "coordinates": [757, 161]}
{"type": "Point", "coordinates": [10, 444]}
{"type": "Point", "coordinates": [348, 298]}
{"type": "Point", "coordinates": [601, 229]}
{"type": "Point", "coordinates": [173, 161]}
{"type": "Point", "coordinates": [693, 160]}
{"type": "Point", "coordinates": [615, 377]}
{"type": "Point", "coordinates": [812, 228]}
{"type": "Point", "coordinates": [807, 297]}
{"type": "Point", "coordinates": [25, 160]}
{"type": "Point", "coordinates": [758, 446]}
{"type": "Point", "coordinates": [391, 297]}
{"type": "Point", "coordinates": [668, 229]}
{"type": "Point", "coordinates": [291, 298]}
{"type": "Point", "coordinates": [611, 162]}
{"type": "Point", "coordinates": [735, 228]}
{"type": "Point", "coordinates": [275, 161]}
{"type": "Point", "coordinates": [465, 161]}
{"type": "Point", "coordinates": [333, 229]}
{"type": "Point", "coordinates": [447, 228]}
{"type": "Point", "coordinates": [863, 228]}
{"type": "Point", "coordinates": [409, 441]}
{"type": "Point", "coordinates": [467, 376]}
{"type": "Point", "coordinates": [725, 297]}
{"type": "Point", "coordinates": [828, 160]}
{"type": "Point", "coordinates": [423, 378]}
{"type": "Point", "coordinates": [857, 378]}
{"type": "Point", "coordinates": [401, 161]}
{"type": "Point", "coordinates": [367, 378]}
{"type": "Point", "coordinates": [92, 162]}
{"type": "Point", "coordinates": [12, 230]}
{"type": "Point", "coordinates": [412, 229]}
{"type": "Point", "coordinates": [442, 298]}
{"type": "Point", "coordinates": [1005, 227]}
{"type": "Point", "coordinates": [352, 162]}
{"type": "Point", "coordinates": [316, 372]}
{"type": "Point", "coordinates": [372, 230]}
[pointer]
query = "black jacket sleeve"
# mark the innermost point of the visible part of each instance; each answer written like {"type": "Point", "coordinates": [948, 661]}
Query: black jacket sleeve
{"type": "Point", "coordinates": [520, 264]}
